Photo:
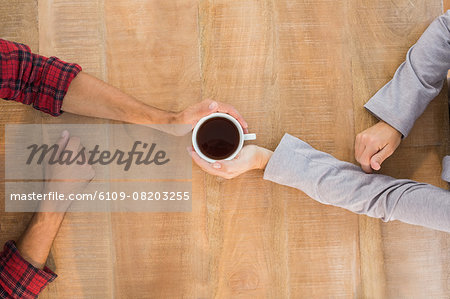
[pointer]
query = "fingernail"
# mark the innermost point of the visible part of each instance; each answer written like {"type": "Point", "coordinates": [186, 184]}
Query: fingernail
{"type": "Point", "coordinates": [189, 150]}
{"type": "Point", "coordinates": [217, 165]}
{"type": "Point", "coordinates": [64, 134]}
{"type": "Point", "coordinates": [213, 105]}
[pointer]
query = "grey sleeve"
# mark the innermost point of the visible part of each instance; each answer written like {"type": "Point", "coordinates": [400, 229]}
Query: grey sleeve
{"type": "Point", "coordinates": [333, 182]}
{"type": "Point", "coordinates": [446, 169]}
{"type": "Point", "coordinates": [417, 81]}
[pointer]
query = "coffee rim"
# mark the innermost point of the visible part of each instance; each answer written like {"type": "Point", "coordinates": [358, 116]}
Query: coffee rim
{"type": "Point", "coordinates": [217, 129]}
{"type": "Point", "coordinates": [213, 115]}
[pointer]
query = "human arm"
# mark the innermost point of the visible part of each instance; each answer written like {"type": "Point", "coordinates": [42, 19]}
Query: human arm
{"type": "Point", "coordinates": [54, 86]}
{"type": "Point", "coordinates": [35, 243]}
{"type": "Point", "coordinates": [23, 272]}
{"type": "Point", "coordinates": [333, 182]}
{"type": "Point", "coordinates": [327, 180]}
{"type": "Point", "coordinates": [22, 266]}
{"type": "Point", "coordinates": [402, 100]}
{"type": "Point", "coordinates": [90, 96]}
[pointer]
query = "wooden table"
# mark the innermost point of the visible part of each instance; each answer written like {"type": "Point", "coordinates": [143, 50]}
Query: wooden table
{"type": "Point", "coordinates": [303, 67]}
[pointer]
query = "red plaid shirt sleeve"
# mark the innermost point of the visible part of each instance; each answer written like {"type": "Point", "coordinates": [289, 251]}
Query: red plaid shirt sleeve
{"type": "Point", "coordinates": [33, 79]}
{"type": "Point", "coordinates": [18, 278]}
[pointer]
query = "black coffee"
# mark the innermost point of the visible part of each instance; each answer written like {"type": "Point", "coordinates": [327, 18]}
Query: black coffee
{"type": "Point", "coordinates": [218, 138]}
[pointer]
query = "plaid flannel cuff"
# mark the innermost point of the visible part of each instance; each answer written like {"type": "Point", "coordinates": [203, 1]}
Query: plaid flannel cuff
{"type": "Point", "coordinates": [56, 78]}
{"type": "Point", "coordinates": [18, 278]}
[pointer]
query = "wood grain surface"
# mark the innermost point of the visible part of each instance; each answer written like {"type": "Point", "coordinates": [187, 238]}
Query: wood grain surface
{"type": "Point", "coordinates": [302, 67]}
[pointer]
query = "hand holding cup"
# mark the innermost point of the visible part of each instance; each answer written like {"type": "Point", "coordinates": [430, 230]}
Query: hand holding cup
{"type": "Point", "coordinates": [218, 147]}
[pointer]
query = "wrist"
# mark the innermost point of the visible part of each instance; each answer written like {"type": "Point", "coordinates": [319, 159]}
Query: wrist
{"type": "Point", "coordinates": [138, 112]}
{"type": "Point", "coordinates": [157, 116]}
{"type": "Point", "coordinates": [52, 219]}
{"type": "Point", "coordinates": [391, 128]}
{"type": "Point", "coordinates": [175, 117]}
{"type": "Point", "coordinates": [264, 156]}
{"type": "Point", "coordinates": [181, 117]}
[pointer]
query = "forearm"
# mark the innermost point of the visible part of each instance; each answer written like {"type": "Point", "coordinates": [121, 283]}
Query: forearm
{"type": "Point", "coordinates": [35, 243]}
{"type": "Point", "coordinates": [330, 181]}
{"type": "Point", "coordinates": [53, 86]}
{"type": "Point", "coordinates": [90, 96]}
{"type": "Point", "coordinates": [417, 81]}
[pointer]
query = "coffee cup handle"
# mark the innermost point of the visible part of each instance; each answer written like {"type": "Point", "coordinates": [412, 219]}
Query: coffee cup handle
{"type": "Point", "coordinates": [249, 136]}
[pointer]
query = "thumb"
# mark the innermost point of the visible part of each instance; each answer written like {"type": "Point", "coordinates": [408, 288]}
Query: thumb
{"type": "Point", "coordinates": [378, 158]}
{"type": "Point", "coordinates": [62, 142]}
{"type": "Point", "coordinates": [61, 145]}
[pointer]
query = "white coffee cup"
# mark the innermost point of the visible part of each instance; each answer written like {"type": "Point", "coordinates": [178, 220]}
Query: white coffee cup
{"type": "Point", "coordinates": [242, 136]}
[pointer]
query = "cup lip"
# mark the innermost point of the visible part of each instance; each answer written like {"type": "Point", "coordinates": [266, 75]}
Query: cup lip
{"type": "Point", "coordinates": [212, 115]}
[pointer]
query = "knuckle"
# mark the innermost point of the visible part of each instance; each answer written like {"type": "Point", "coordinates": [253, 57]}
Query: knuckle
{"type": "Point", "coordinates": [367, 138]}
{"type": "Point", "coordinates": [91, 174]}
{"type": "Point", "coordinates": [228, 176]}
{"type": "Point", "coordinates": [370, 139]}
{"type": "Point", "coordinates": [365, 164]}
{"type": "Point", "coordinates": [366, 168]}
